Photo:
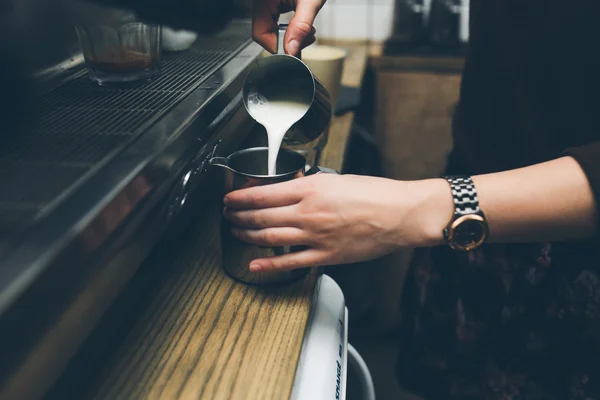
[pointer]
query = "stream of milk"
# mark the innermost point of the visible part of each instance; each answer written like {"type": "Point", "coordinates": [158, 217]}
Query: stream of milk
{"type": "Point", "coordinates": [277, 117]}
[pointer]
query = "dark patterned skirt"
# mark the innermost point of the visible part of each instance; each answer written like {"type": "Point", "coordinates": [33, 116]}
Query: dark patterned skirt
{"type": "Point", "coordinates": [519, 322]}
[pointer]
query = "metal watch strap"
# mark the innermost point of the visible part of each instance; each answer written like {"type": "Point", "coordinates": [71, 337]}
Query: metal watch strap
{"type": "Point", "coordinates": [464, 195]}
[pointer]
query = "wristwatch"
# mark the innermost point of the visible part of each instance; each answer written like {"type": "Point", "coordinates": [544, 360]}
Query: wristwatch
{"type": "Point", "coordinates": [468, 228]}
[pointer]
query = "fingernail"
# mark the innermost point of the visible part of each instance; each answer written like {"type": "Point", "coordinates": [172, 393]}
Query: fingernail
{"type": "Point", "coordinates": [294, 47]}
{"type": "Point", "coordinates": [255, 267]}
{"type": "Point", "coordinates": [225, 201]}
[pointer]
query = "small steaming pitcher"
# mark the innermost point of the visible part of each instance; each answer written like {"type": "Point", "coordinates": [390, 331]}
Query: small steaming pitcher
{"type": "Point", "coordinates": [244, 169]}
{"type": "Point", "coordinates": [281, 77]}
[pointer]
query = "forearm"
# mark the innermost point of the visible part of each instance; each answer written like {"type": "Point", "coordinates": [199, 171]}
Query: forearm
{"type": "Point", "coordinates": [543, 202]}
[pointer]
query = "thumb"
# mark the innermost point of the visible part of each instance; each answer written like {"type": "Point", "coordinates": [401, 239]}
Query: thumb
{"type": "Point", "coordinates": [301, 26]}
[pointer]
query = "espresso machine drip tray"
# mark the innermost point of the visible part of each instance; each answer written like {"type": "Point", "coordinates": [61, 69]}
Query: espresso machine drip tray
{"type": "Point", "coordinates": [78, 126]}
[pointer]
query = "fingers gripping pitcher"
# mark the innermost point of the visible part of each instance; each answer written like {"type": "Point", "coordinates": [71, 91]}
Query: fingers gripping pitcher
{"type": "Point", "coordinates": [244, 169]}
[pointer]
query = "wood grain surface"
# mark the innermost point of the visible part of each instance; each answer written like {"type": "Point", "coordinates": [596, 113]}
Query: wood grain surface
{"type": "Point", "coordinates": [205, 336]}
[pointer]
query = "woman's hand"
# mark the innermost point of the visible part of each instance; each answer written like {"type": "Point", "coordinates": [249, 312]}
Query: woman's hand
{"type": "Point", "coordinates": [300, 32]}
{"type": "Point", "coordinates": [339, 218]}
{"type": "Point", "coordinates": [343, 218]}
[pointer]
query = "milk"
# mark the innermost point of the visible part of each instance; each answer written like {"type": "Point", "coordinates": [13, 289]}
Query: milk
{"type": "Point", "coordinates": [277, 117]}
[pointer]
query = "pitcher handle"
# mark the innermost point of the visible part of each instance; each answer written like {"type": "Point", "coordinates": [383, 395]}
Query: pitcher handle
{"type": "Point", "coordinates": [280, 36]}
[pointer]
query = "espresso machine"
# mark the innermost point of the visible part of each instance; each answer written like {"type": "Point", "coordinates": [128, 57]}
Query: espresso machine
{"type": "Point", "coordinates": [93, 177]}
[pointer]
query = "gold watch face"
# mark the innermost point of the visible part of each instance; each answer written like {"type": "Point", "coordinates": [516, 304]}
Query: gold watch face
{"type": "Point", "coordinates": [467, 232]}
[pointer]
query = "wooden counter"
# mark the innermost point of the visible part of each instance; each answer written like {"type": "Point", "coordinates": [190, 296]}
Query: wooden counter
{"type": "Point", "coordinates": [204, 336]}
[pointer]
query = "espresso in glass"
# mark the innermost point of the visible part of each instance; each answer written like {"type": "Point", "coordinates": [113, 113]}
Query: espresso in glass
{"type": "Point", "coordinates": [120, 49]}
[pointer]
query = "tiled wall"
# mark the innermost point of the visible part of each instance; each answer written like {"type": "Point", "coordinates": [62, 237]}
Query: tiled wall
{"type": "Point", "coordinates": [366, 20]}
{"type": "Point", "coordinates": [355, 20]}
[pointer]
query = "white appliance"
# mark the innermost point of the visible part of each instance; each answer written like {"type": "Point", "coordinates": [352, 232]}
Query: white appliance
{"type": "Point", "coordinates": [323, 364]}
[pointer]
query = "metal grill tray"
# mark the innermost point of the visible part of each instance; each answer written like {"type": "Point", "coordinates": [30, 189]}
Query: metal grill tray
{"type": "Point", "coordinates": [79, 125]}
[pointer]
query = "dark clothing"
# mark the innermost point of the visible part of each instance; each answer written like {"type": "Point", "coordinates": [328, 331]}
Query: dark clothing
{"type": "Point", "coordinates": [531, 85]}
{"type": "Point", "coordinates": [515, 321]}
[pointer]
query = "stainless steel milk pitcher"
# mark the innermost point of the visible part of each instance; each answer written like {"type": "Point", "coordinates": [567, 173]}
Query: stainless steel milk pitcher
{"type": "Point", "coordinates": [247, 168]}
{"type": "Point", "coordinates": [281, 77]}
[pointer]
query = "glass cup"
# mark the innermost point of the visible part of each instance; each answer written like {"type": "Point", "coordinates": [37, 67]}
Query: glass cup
{"type": "Point", "coordinates": [119, 48]}
{"type": "Point", "coordinates": [327, 64]}
{"type": "Point", "coordinates": [310, 151]}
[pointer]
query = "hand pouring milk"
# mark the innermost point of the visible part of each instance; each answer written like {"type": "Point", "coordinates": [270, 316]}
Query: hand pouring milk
{"type": "Point", "coordinates": [282, 94]}
{"type": "Point", "coordinates": [277, 117]}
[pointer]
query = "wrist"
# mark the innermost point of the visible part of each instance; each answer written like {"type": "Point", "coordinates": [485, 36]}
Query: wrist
{"type": "Point", "coordinates": [433, 212]}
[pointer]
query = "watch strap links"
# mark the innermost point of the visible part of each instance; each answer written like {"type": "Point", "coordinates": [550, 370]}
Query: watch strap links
{"type": "Point", "coordinates": [464, 195]}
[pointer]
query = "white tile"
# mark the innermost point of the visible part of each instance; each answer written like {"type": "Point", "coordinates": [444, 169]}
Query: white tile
{"type": "Point", "coordinates": [351, 21]}
{"type": "Point", "coordinates": [382, 20]}
{"type": "Point", "coordinates": [347, 22]}
{"type": "Point", "coordinates": [325, 22]}
{"type": "Point", "coordinates": [355, 21]}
